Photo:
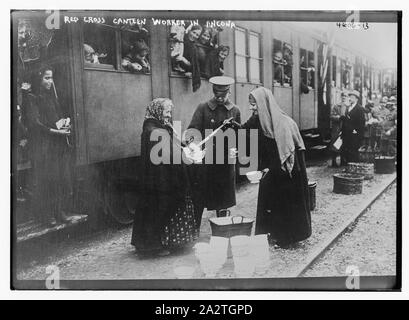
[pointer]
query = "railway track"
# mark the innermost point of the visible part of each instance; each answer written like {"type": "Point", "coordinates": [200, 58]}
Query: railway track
{"type": "Point", "coordinates": [323, 247]}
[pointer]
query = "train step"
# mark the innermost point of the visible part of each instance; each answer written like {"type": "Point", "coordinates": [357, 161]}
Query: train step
{"type": "Point", "coordinates": [33, 229]}
{"type": "Point", "coordinates": [318, 147]}
{"type": "Point", "coordinates": [312, 135]}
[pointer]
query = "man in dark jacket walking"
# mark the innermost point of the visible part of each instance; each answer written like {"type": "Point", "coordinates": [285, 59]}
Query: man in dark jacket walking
{"type": "Point", "coordinates": [215, 186]}
{"type": "Point", "coordinates": [353, 127]}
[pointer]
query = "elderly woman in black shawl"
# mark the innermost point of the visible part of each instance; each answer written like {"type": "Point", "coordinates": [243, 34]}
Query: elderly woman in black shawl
{"type": "Point", "coordinates": [283, 203]}
{"type": "Point", "coordinates": [166, 220]}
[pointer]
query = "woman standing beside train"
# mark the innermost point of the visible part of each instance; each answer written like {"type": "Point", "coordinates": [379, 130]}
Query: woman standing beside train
{"type": "Point", "coordinates": [283, 202]}
{"type": "Point", "coordinates": [166, 220]}
{"type": "Point", "coordinates": [49, 150]}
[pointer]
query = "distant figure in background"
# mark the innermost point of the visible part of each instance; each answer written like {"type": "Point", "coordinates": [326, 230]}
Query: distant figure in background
{"type": "Point", "coordinates": [389, 128]}
{"type": "Point", "coordinates": [288, 66]}
{"type": "Point", "coordinates": [338, 111]}
{"type": "Point", "coordinates": [353, 126]}
{"type": "Point", "coordinates": [90, 55]}
{"type": "Point", "coordinates": [278, 66]}
{"type": "Point", "coordinates": [48, 131]}
{"type": "Point", "coordinates": [166, 220]}
{"type": "Point", "coordinates": [215, 61]}
{"type": "Point", "coordinates": [176, 46]}
{"type": "Point", "coordinates": [136, 60]}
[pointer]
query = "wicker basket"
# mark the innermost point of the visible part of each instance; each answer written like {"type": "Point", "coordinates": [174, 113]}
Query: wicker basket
{"type": "Point", "coordinates": [231, 226]}
{"type": "Point", "coordinates": [362, 169]}
{"type": "Point", "coordinates": [346, 183]}
{"type": "Point", "coordinates": [368, 156]}
{"type": "Point", "coordinates": [385, 164]}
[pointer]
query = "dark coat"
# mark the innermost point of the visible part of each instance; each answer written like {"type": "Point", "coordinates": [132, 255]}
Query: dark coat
{"type": "Point", "coordinates": [191, 54]}
{"type": "Point", "coordinates": [354, 120]}
{"type": "Point", "coordinates": [283, 205]}
{"type": "Point", "coordinates": [50, 156]}
{"type": "Point", "coordinates": [213, 65]}
{"type": "Point", "coordinates": [164, 187]}
{"type": "Point", "coordinates": [215, 183]}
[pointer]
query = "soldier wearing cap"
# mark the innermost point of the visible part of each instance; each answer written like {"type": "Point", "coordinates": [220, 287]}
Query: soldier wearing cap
{"type": "Point", "coordinates": [215, 183]}
{"type": "Point", "coordinates": [353, 127]}
{"type": "Point", "coordinates": [337, 112]}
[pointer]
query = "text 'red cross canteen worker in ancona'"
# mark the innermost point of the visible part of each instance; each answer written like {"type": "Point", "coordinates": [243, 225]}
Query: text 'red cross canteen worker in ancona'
{"type": "Point", "coordinates": [215, 183]}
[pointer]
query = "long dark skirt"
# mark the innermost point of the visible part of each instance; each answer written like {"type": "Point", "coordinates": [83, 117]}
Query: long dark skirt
{"type": "Point", "coordinates": [52, 182]}
{"type": "Point", "coordinates": [283, 204]}
{"type": "Point", "coordinates": [164, 223]}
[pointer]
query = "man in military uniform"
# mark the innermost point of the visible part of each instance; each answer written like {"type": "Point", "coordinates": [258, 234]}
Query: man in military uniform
{"type": "Point", "coordinates": [353, 126]}
{"type": "Point", "coordinates": [215, 183]}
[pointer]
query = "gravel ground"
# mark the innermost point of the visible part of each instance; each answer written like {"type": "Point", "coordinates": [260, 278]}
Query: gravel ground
{"type": "Point", "coordinates": [370, 244]}
{"type": "Point", "coordinates": [111, 256]}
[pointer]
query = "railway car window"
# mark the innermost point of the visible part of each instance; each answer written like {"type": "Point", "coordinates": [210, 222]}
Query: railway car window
{"type": "Point", "coordinates": [99, 46]}
{"type": "Point", "coordinates": [240, 50]}
{"type": "Point", "coordinates": [135, 53]}
{"type": "Point", "coordinates": [255, 60]}
{"type": "Point", "coordinates": [304, 66]}
{"type": "Point", "coordinates": [357, 74]}
{"type": "Point", "coordinates": [278, 62]}
{"type": "Point", "coordinates": [367, 82]}
{"type": "Point", "coordinates": [283, 63]}
{"type": "Point", "coordinates": [288, 64]}
{"type": "Point", "coordinates": [311, 70]}
{"type": "Point", "coordinates": [194, 50]}
{"type": "Point", "coordinates": [346, 69]}
{"type": "Point", "coordinates": [247, 56]}
{"type": "Point", "coordinates": [334, 70]}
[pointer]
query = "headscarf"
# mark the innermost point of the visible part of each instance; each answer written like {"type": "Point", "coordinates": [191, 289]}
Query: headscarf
{"type": "Point", "coordinates": [276, 124]}
{"type": "Point", "coordinates": [155, 110]}
{"type": "Point", "coordinates": [139, 46]}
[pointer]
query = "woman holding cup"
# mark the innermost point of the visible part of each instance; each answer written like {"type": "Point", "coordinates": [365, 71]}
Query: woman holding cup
{"type": "Point", "coordinates": [283, 202]}
{"type": "Point", "coordinates": [50, 154]}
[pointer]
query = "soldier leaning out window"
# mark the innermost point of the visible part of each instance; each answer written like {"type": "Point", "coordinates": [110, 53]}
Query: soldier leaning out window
{"type": "Point", "coordinates": [136, 60]}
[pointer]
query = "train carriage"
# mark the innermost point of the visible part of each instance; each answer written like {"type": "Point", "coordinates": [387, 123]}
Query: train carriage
{"type": "Point", "coordinates": [107, 103]}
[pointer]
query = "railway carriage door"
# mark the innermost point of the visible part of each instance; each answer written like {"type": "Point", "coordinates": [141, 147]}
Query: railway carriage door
{"type": "Point", "coordinates": [36, 46]}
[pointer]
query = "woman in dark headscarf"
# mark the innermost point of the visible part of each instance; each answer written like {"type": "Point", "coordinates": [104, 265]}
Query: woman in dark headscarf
{"type": "Point", "coordinates": [166, 219]}
{"type": "Point", "coordinates": [49, 150]}
{"type": "Point", "coordinates": [283, 202]}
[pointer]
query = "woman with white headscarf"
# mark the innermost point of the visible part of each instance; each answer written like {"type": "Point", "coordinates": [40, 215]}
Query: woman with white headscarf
{"type": "Point", "coordinates": [283, 202]}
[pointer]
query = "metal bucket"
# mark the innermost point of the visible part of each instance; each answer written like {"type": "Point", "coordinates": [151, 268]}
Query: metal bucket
{"type": "Point", "coordinates": [385, 164]}
{"type": "Point", "coordinates": [312, 186]}
{"type": "Point", "coordinates": [346, 183]}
